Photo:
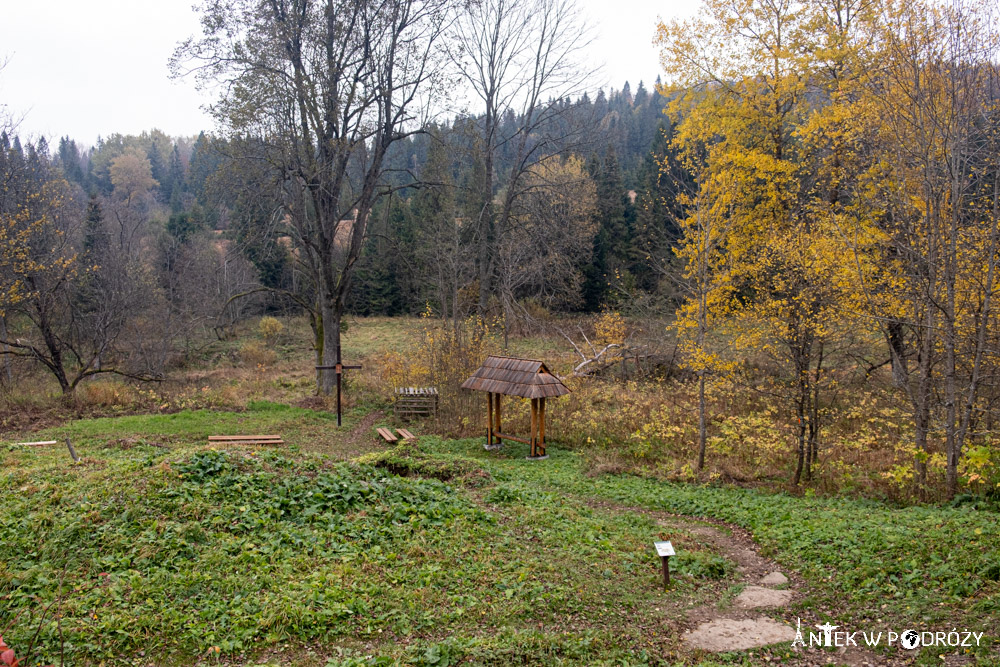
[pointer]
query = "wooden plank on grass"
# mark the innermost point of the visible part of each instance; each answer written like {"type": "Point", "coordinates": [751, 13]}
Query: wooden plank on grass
{"type": "Point", "coordinates": [251, 442]}
{"type": "Point", "coordinates": [242, 438]}
{"type": "Point", "coordinates": [387, 435]}
{"type": "Point", "coordinates": [40, 443]}
{"type": "Point", "coordinates": [405, 435]}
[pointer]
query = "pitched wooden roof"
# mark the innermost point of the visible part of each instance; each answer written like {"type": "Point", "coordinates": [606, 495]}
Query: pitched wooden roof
{"type": "Point", "coordinates": [528, 378]}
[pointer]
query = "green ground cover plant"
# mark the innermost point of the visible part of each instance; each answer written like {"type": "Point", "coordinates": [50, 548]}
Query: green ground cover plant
{"type": "Point", "coordinates": [866, 559]}
{"type": "Point", "coordinates": [428, 554]}
{"type": "Point", "coordinates": [171, 556]}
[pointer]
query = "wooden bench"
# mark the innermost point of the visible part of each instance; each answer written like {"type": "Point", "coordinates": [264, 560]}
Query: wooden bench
{"type": "Point", "coordinates": [387, 435]}
{"type": "Point", "coordinates": [246, 439]}
{"type": "Point", "coordinates": [405, 435]}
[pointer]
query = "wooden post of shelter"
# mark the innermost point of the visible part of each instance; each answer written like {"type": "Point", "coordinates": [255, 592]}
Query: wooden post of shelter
{"type": "Point", "coordinates": [541, 423]}
{"type": "Point", "coordinates": [496, 414]}
{"type": "Point", "coordinates": [527, 378]}
{"type": "Point", "coordinates": [533, 445]}
{"type": "Point", "coordinates": [489, 420]}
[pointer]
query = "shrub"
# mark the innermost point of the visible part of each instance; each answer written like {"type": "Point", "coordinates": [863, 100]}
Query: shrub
{"type": "Point", "coordinates": [255, 353]}
{"type": "Point", "coordinates": [270, 328]}
{"type": "Point", "coordinates": [105, 394]}
{"type": "Point", "coordinates": [536, 310]}
{"type": "Point", "coordinates": [444, 357]}
{"type": "Point", "coordinates": [610, 328]}
{"type": "Point", "coordinates": [115, 395]}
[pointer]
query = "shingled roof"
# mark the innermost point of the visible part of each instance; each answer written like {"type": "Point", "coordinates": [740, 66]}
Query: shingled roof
{"type": "Point", "coordinates": [528, 378]}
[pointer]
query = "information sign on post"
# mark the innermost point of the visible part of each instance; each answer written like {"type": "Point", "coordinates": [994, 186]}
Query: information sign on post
{"type": "Point", "coordinates": [665, 550]}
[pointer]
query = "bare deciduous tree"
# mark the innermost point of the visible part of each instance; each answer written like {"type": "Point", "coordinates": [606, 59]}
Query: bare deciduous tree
{"type": "Point", "coordinates": [521, 60]}
{"type": "Point", "coordinates": [540, 258]}
{"type": "Point", "coordinates": [68, 307]}
{"type": "Point", "coordinates": [325, 88]}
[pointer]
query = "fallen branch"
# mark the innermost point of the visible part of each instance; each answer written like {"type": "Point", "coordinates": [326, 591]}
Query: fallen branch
{"type": "Point", "coordinates": [571, 342]}
{"type": "Point", "coordinates": [592, 349]}
{"type": "Point", "coordinates": [596, 359]}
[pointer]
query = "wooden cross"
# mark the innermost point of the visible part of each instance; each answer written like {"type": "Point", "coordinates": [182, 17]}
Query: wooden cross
{"type": "Point", "coordinates": [339, 369]}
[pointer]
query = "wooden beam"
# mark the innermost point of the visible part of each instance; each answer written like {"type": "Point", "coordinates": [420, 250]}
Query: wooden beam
{"type": "Point", "coordinates": [489, 419]}
{"type": "Point", "coordinates": [534, 427]}
{"type": "Point", "coordinates": [541, 418]}
{"type": "Point", "coordinates": [499, 426]}
{"type": "Point", "coordinates": [516, 438]}
{"type": "Point", "coordinates": [247, 442]}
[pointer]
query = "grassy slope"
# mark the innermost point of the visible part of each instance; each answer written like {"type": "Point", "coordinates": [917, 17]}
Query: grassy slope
{"type": "Point", "coordinates": [175, 552]}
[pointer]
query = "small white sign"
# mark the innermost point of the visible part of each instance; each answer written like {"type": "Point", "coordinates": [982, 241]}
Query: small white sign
{"type": "Point", "coordinates": [664, 549]}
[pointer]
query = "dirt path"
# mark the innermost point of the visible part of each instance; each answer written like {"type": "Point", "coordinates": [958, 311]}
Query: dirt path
{"type": "Point", "coordinates": [363, 430]}
{"type": "Point", "coordinates": [761, 614]}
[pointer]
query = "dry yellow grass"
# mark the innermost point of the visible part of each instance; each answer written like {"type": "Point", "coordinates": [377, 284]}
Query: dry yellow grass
{"type": "Point", "coordinates": [647, 427]}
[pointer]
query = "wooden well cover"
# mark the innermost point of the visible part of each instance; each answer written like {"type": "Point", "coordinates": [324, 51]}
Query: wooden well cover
{"type": "Point", "coordinates": [527, 378]}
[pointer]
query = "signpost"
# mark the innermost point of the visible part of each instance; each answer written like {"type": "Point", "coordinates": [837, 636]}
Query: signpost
{"type": "Point", "coordinates": [665, 550]}
{"type": "Point", "coordinates": [339, 369]}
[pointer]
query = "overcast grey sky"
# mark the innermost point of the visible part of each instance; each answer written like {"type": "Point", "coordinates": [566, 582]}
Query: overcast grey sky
{"type": "Point", "coordinates": [85, 69]}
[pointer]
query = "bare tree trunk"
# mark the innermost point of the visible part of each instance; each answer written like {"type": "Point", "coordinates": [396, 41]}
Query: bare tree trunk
{"type": "Point", "coordinates": [950, 356]}
{"type": "Point", "coordinates": [55, 350]}
{"type": "Point", "coordinates": [318, 344]}
{"type": "Point", "coordinates": [706, 238]}
{"type": "Point", "coordinates": [922, 401]}
{"type": "Point", "coordinates": [487, 223]}
{"type": "Point", "coordinates": [8, 373]}
{"type": "Point", "coordinates": [331, 343]}
{"type": "Point", "coordinates": [801, 440]}
{"type": "Point", "coordinates": [814, 410]}
{"type": "Point", "coordinates": [442, 290]}
{"type": "Point", "coordinates": [702, 422]}
{"type": "Point", "coordinates": [800, 347]}
{"type": "Point", "coordinates": [897, 354]}
{"type": "Point", "coordinates": [702, 407]}
{"type": "Point", "coordinates": [455, 277]}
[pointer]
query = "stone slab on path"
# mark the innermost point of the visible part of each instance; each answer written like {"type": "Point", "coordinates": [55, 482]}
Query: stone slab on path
{"type": "Point", "coordinates": [754, 597]}
{"type": "Point", "coordinates": [774, 579]}
{"type": "Point", "coordinates": [728, 634]}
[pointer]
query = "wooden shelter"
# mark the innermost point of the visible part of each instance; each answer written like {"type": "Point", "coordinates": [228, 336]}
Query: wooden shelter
{"type": "Point", "coordinates": [527, 378]}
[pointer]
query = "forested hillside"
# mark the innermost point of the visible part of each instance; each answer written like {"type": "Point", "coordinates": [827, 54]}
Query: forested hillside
{"type": "Point", "coordinates": [616, 138]}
